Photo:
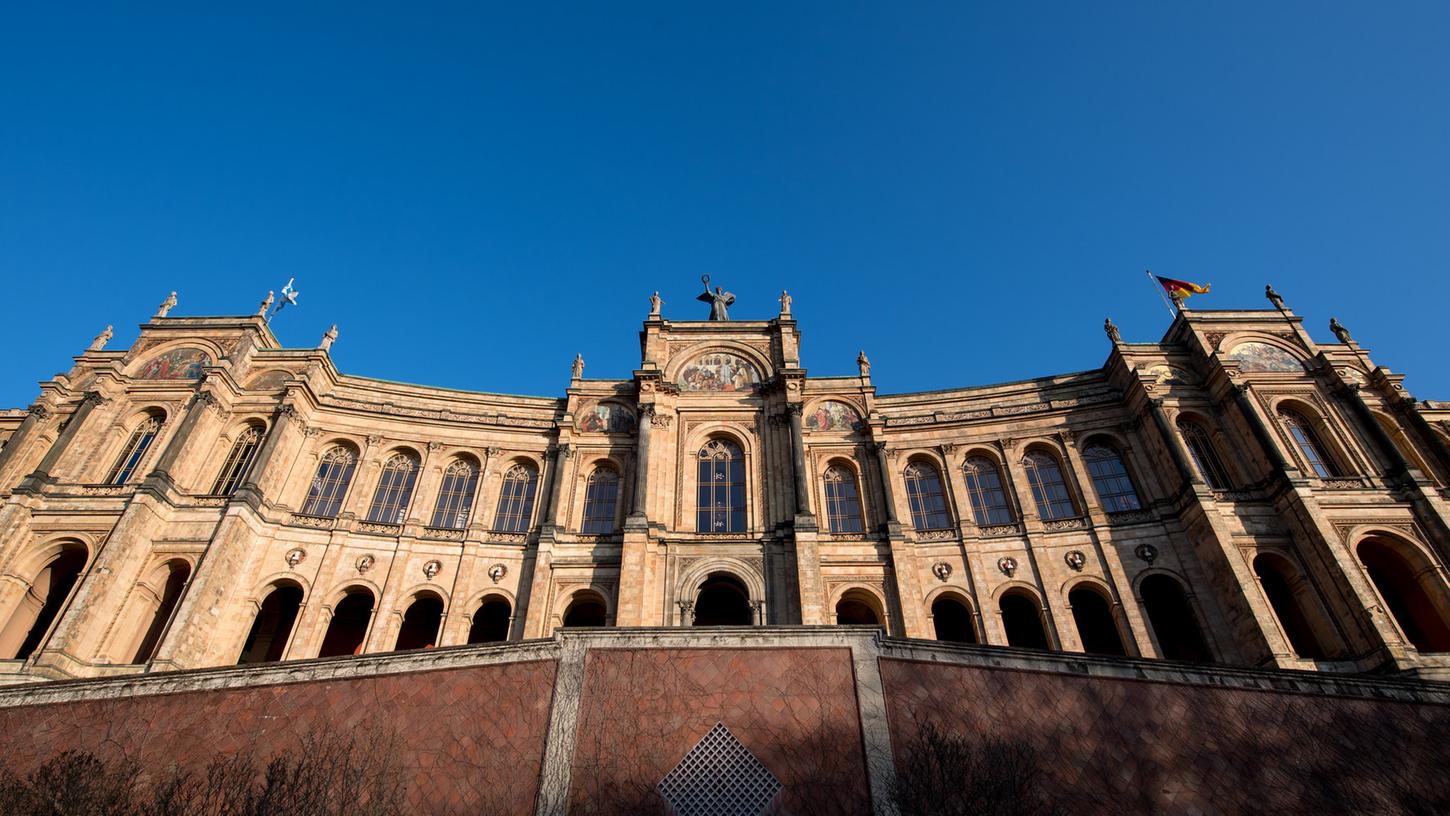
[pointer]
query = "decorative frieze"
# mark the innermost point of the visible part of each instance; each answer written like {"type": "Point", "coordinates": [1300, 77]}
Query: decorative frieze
{"type": "Point", "coordinates": [992, 530]}
{"type": "Point", "coordinates": [1055, 525]}
{"type": "Point", "coordinates": [1129, 517]}
{"type": "Point", "coordinates": [443, 533]}
{"type": "Point", "coordinates": [319, 522]}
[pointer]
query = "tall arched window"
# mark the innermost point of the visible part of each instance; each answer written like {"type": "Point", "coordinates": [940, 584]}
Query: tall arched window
{"type": "Point", "coordinates": [1110, 478]}
{"type": "Point", "coordinates": [135, 450]}
{"type": "Point", "coordinates": [455, 497]}
{"type": "Point", "coordinates": [720, 494]}
{"type": "Point", "coordinates": [395, 489]}
{"type": "Point", "coordinates": [272, 627]}
{"type": "Point", "coordinates": [1173, 620]}
{"type": "Point", "coordinates": [601, 501]}
{"type": "Point", "coordinates": [329, 486]}
{"type": "Point", "coordinates": [41, 604]}
{"type": "Point", "coordinates": [924, 493]}
{"type": "Point", "coordinates": [1049, 489]}
{"type": "Point", "coordinates": [239, 461]}
{"type": "Point", "coordinates": [984, 489]}
{"type": "Point", "coordinates": [1205, 457]}
{"type": "Point", "coordinates": [1305, 438]}
{"type": "Point", "coordinates": [843, 501]}
{"type": "Point", "coordinates": [516, 499]}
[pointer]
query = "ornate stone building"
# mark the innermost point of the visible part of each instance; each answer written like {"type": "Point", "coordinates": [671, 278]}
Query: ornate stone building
{"type": "Point", "coordinates": [1234, 493]}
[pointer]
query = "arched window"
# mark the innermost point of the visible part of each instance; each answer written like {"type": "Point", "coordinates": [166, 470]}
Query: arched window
{"type": "Point", "coordinates": [455, 497]}
{"type": "Point", "coordinates": [273, 625]}
{"type": "Point", "coordinates": [1406, 447]}
{"type": "Point", "coordinates": [420, 624]}
{"type": "Point", "coordinates": [1205, 457]}
{"type": "Point", "coordinates": [1173, 621]}
{"type": "Point", "coordinates": [1415, 596]}
{"type": "Point", "coordinates": [858, 608]}
{"type": "Point", "coordinates": [601, 501]}
{"type": "Point", "coordinates": [1049, 489]}
{"type": "Point", "coordinates": [491, 621]}
{"type": "Point", "coordinates": [395, 489]}
{"type": "Point", "coordinates": [952, 620]}
{"type": "Point", "coordinates": [1288, 608]}
{"type": "Point", "coordinates": [984, 489]}
{"type": "Point", "coordinates": [239, 462]}
{"type": "Point", "coordinates": [177, 574]}
{"type": "Point", "coordinates": [329, 486]}
{"type": "Point", "coordinates": [723, 601]}
{"type": "Point", "coordinates": [516, 499]}
{"type": "Point", "coordinates": [585, 609]}
{"type": "Point", "coordinates": [349, 625]}
{"type": "Point", "coordinates": [135, 450]}
{"type": "Point", "coordinates": [720, 494]}
{"type": "Point", "coordinates": [1110, 478]}
{"type": "Point", "coordinates": [924, 493]}
{"type": "Point", "coordinates": [41, 604]}
{"type": "Point", "coordinates": [843, 501]}
{"type": "Point", "coordinates": [1305, 438]}
{"type": "Point", "coordinates": [1096, 628]}
{"type": "Point", "coordinates": [1022, 619]}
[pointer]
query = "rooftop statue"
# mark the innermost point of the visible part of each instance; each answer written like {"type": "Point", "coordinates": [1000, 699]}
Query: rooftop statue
{"type": "Point", "coordinates": [718, 300]}
{"type": "Point", "coordinates": [1340, 331]}
{"type": "Point", "coordinates": [166, 305]}
{"type": "Point", "coordinates": [101, 340]}
{"type": "Point", "coordinates": [655, 301]}
{"type": "Point", "coordinates": [1273, 297]}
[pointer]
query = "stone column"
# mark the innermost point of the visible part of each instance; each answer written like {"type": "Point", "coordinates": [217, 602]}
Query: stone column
{"type": "Point", "coordinates": [798, 459]}
{"type": "Point", "coordinates": [1176, 451]}
{"type": "Point", "coordinates": [176, 445]}
{"type": "Point", "coordinates": [38, 414]}
{"type": "Point", "coordinates": [1261, 432]}
{"type": "Point", "coordinates": [1349, 394]}
{"type": "Point", "coordinates": [556, 482]}
{"type": "Point", "coordinates": [641, 462]}
{"type": "Point", "coordinates": [285, 413]}
{"type": "Point", "coordinates": [73, 425]}
{"type": "Point", "coordinates": [888, 492]}
{"type": "Point", "coordinates": [634, 554]}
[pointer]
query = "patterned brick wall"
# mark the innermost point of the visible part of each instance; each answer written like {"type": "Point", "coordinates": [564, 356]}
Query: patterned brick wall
{"type": "Point", "coordinates": [470, 740]}
{"type": "Point", "coordinates": [643, 709]}
{"type": "Point", "coordinates": [1126, 746]}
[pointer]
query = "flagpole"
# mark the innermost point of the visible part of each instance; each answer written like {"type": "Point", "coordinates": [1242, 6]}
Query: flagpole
{"type": "Point", "coordinates": [1157, 287]}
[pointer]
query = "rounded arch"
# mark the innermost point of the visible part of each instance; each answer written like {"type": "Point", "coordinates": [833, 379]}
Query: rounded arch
{"type": "Point", "coordinates": [278, 603]}
{"type": "Point", "coordinates": [491, 618]}
{"type": "Point", "coordinates": [1405, 445]}
{"type": "Point", "coordinates": [1259, 352]}
{"type": "Point", "coordinates": [1292, 601]}
{"type": "Point", "coordinates": [422, 618]}
{"type": "Point", "coordinates": [1411, 586]}
{"type": "Point", "coordinates": [1023, 619]}
{"type": "Point", "coordinates": [1053, 491]}
{"type": "Point", "coordinates": [859, 605]}
{"type": "Point", "coordinates": [603, 489]}
{"type": "Point", "coordinates": [832, 414]}
{"type": "Point", "coordinates": [675, 369]}
{"type": "Point", "coordinates": [351, 616]}
{"type": "Point", "coordinates": [49, 574]}
{"type": "Point", "coordinates": [1201, 437]}
{"type": "Point", "coordinates": [354, 584]}
{"type": "Point", "coordinates": [926, 495]}
{"type": "Point", "coordinates": [1099, 629]}
{"type": "Point", "coordinates": [1111, 476]}
{"type": "Point", "coordinates": [953, 617]}
{"type": "Point", "coordinates": [587, 606]}
{"type": "Point", "coordinates": [170, 360]}
{"type": "Point", "coordinates": [722, 600]}
{"type": "Point", "coordinates": [841, 496]}
{"type": "Point", "coordinates": [1173, 620]}
{"type": "Point", "coordinates": [701, 570]}
{"type": "Point", "coordinates": [721, 486]}
{"type": "Point", "coordinates": [1314, 441]}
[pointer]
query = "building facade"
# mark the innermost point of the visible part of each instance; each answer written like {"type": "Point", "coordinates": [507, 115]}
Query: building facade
{"type": "Point", "coordinates": [1235, 493]}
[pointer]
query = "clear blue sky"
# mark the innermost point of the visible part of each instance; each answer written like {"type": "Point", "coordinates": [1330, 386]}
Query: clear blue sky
{"type": "Point", "coordinates": [474, 195]}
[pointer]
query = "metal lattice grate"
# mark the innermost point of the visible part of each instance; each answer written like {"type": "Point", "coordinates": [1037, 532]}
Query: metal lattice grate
{"type": "Point", "coordinates": [719, 777]}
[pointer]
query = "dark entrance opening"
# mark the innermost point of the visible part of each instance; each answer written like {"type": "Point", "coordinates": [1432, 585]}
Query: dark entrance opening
{"type": "Point", "coordinates": [268, 638]}
{"type": "Point", "coordinates": [420, 624]}
{"type": "Point", "coordinates": [952, 621]}
{"type": "Point", "coordinates": [175, 583]}
{"type": "Point", "coordinates": [490, 622]}
{"type": "Point", "coordinates": [1095, 625]}
{"type": "Point", "coordinates": [1023, 622]}
{"type": "Point", "coordinates": [855, 610]}
{"type": "Point", "coordinates": [349, 625]}
{"type": "Point", "coordinates": [1179, 637]}
{"type": "Point", "coordinates": [723, 601]}
{"type": "Point", "coordinates": [587, 609]}
{"type": "Point", "coordinates": [1288, 609]}
{"type": "Point", "coordinates": [1413, 608]}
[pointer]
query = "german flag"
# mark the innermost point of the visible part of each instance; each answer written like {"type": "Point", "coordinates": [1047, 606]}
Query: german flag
{"type": "Point", "coordinates": [1180, 289]}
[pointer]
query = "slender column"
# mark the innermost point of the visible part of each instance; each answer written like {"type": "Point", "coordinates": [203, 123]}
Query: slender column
{"type": "Point", "coordinates": [1349, 393]}
{"type": "Point", "coordinates": [38, 414]}
{"type": "Point", "coordinates": [1438, 447]}
{"type": "Point", "coordinates": [1175, 445]}
{"type": "Point", "coordinates": [641, 460]}
{"type": "Point", "coordinates": [1261, 431]}
{"type": "Point", "coordinates": [73, 425]}
{"type": "Point", "coordinates": [798, 454]}
{"type": "Point", "coordinates": [179, 440]}
{"type": "Point", "coordinates": [888, 493]}
{"type": "Point", "coordinates": [284, 414]}
{"type": "Point", "coordinates": [556, 482]}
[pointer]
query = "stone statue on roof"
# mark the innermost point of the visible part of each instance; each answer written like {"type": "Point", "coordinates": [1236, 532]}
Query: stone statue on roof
{"type": "Point", "coordinates": [166, 305]}
{"type": "Point", "coordinates": [718, 300]}
{"type": "Point", "coordinates": [101, 340]}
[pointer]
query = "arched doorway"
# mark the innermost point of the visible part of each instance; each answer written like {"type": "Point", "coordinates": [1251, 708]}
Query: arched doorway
{"type": "Point", "coordinates": [585, 609]}
{"type": "Point", "coordinates": [420, 624]}
{"type": "Point", "coordinates": [1287, 606]}
{"type": "Point", "coordinates": [1173, 621]}
{"type": "Point", "coordinates": [41, 604]}
{"type": "Point", "coordinates": [1022, 619]}
{"type": "Point", "coordinates": [177, 574]}
{"type": "Point", "coordinates": [273, 625]}
{"type": "Point", "coordinates": [349, 625]}
{"type": "Point", "coordinates": [858, 607]}
{"type": "Point", "coordinates": [723, 601]}
{"type": "Point", "coordinates": [1096, 627]}
{"type": "Point", "coordinates": [491, 621]}
{"type": "Point", "coordinates": [1420, 610]}
{"type": "Point", "coordinates": [952, 621]}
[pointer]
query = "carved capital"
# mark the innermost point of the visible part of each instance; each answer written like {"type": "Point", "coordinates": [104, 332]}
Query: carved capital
{"type": "Point", "coordinates": [93, 397]}
{"type": "Point", "coordinates": [881, 448]}
{"type": "Point", "coordinates": [795, 408]}
{"type": "Point", "coordinates": [660, 420]}
{"type": "Point", "coordinates": [40, 412]}
{"type": "Point", "coordinates": [564, 452]}
{"type": "Point", "coordinates": [435, 446]}
{"type": "Point", "coordinates": [375, 439]}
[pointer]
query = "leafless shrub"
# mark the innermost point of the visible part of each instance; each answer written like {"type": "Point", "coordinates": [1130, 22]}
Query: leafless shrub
{"type": "Point", "coordinates": [949, 774]}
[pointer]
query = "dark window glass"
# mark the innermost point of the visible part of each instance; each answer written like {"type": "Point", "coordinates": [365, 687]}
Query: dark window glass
{"type": "Point", "coordinates": [843, 501]}
{"type": "Point", "coordinates": [1110, 478]}
{"type": "Point", "coordinates": [984, 489]}
{"type": "Point", "coordinates": [924, 492]}
{"type": "Point", "coordinates": [238, 463]}
{"type": "Point", "coordinates": [601, 498]}
{"type": "Point", "coordinates": [720, 497]}
{"type": "Point", "coordinates": [1205, 457]}
{"type": "Point", "coordinates": [395, 489]}
{"type": "Point", "coordinates": [1308, 442]}
{"type": "Point", "coordinates": [455, 497]}
{"type": "Point", "coordinates": [329, 486]}
{"type": "Point", "coordinates": [516, 500]}
{"type": "Point", "coordinates": [135, 451]}
{"type": "Point", "coordinates": [1049, 489]}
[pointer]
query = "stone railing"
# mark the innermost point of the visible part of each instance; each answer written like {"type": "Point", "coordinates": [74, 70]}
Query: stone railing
{"type": "Point", "coordinates": [379, 528]}
{"type": "Point", "coordinates": [319, 522]}
{"type": "Point", "coordinates": [1058, 525]}
{"type": "Point", "coordinates": [444, 533]}
{"type": "Point", "coordinates": [994, 530]}
{"type": "Point", "coordinates": [936, 535]}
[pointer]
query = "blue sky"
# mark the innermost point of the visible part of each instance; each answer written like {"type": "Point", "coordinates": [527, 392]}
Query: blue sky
{"type": "Point", "coordinates": [475, 193]}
